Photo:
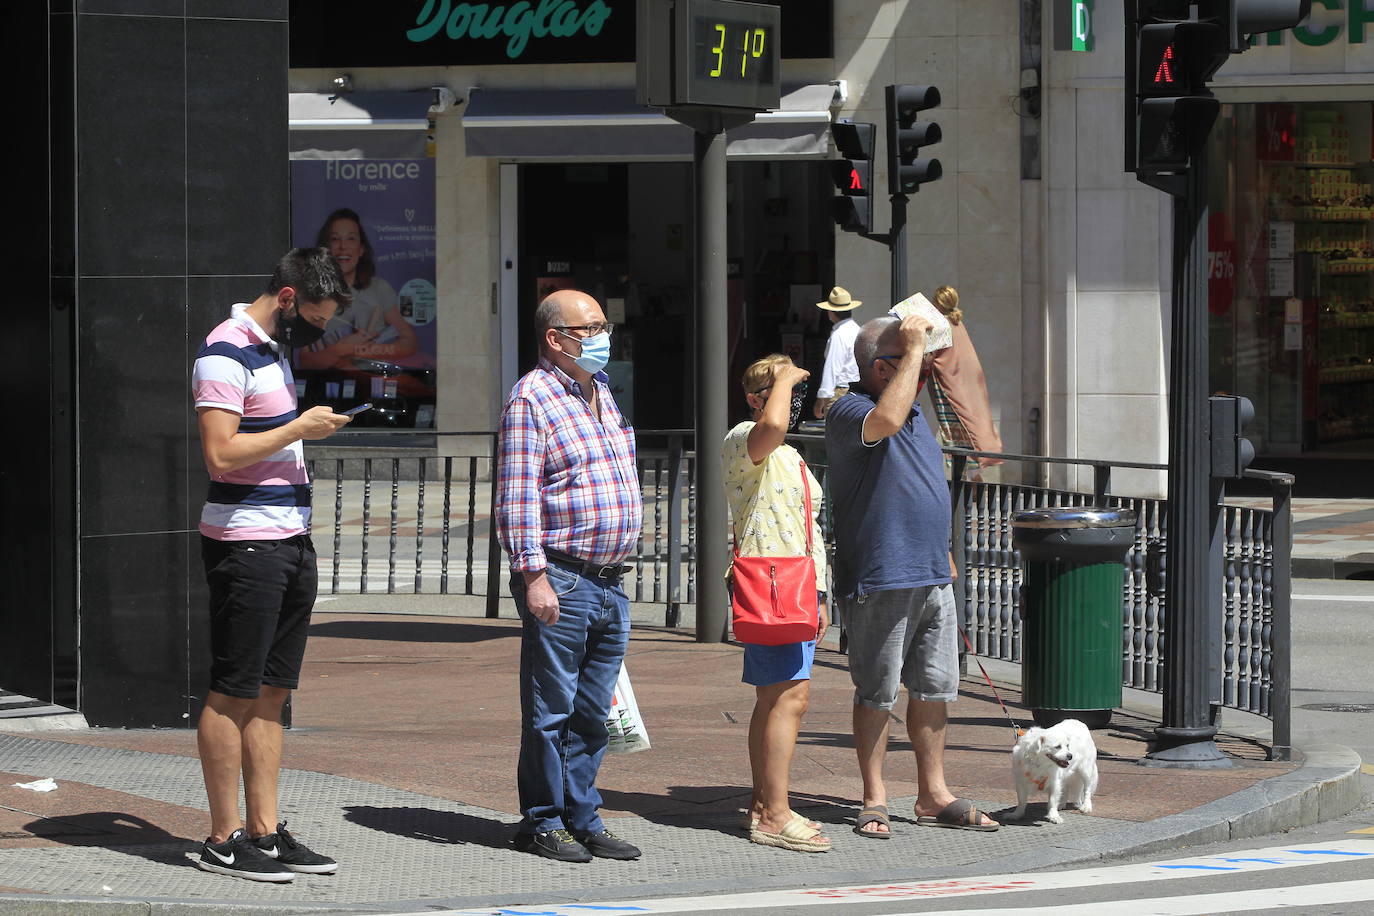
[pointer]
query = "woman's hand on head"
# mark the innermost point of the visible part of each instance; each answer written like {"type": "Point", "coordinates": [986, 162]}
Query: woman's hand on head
{"type": "Point", "coordinates": [789, 377]}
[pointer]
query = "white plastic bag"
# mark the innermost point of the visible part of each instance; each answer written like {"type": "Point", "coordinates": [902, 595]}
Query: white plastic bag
{"type": "Point", "coordinates": [624, 724]}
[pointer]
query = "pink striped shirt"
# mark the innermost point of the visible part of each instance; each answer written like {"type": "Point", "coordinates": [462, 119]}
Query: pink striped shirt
{"type": "Point", "coordinates": [240, 369]}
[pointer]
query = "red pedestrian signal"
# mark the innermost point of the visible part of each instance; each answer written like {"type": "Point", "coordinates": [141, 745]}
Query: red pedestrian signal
{"type": "Point", "coordinates": [853, 175]}
{"type": "Point", "coordinates": [1164, 73]}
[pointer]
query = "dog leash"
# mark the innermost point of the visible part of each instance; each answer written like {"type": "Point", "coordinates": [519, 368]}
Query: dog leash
{"type": "Point", "coordinates": [1016, 730]}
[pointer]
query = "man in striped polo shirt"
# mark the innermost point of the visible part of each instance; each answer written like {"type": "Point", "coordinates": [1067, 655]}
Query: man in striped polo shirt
{"type": "Point", "coordinates": [259, 561]}
{"type": "Point", "coordinates": [568, 511]}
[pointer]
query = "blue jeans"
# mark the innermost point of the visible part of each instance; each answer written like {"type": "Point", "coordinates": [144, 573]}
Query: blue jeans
{"type": "Point", "coordinates": [567, 678]}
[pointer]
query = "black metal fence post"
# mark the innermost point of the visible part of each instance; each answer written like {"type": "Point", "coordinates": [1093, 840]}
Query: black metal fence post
{"type": "Point", "coordinates": [493, 543]}
{"type": "Point", "coordinates": [956, 548]}
{"type": "Point", "coordinates": [1102, 482]}
{"type": "Point", "coordinates": [1280, 670]}
{"type": "Point", "coordinates": [673, 612]}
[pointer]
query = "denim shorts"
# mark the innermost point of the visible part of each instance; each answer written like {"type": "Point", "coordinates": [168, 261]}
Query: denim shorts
{"type": "Point", "coordinates": [764, 665]}
{"type": "Point", "coordinates": [261, 596]}
{"type": "Point", "coordinates": [906, 637]}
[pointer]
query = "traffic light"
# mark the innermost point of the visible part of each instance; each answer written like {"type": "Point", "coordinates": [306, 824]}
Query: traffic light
{"type": "Point", "coordinates": [1173, 48]}
{"type": "Point", "coordinates": [853, 175]}
{"type": "Point", "coordinates": [906, 170]}
{"type": "Point", "coordinates": [1174, 109]}
{"type": "Point", "coordinates": [1248, 17]}
{"type": "Point", "coordinates": [1231, 452]}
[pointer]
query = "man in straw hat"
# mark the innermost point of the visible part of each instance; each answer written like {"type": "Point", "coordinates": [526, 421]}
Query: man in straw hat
{"type": "Point", "coordinates": [840, 369]}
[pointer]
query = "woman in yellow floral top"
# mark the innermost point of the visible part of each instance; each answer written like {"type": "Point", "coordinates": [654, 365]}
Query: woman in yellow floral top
{"type": "Point", "coordinates": [763, 483]}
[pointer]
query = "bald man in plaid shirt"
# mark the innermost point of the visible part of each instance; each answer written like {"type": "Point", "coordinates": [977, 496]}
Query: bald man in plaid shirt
{"type": "Point", "coordinates": [568, 511]}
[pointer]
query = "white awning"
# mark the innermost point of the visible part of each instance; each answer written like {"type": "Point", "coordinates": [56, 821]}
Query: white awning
{"type": "Point", "coordinates": [362, 125]}
{"type": "Point", "coordinates": [607, 124]}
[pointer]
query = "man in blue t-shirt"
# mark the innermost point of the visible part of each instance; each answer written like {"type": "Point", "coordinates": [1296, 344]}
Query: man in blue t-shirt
{"type": "Point", "coordinates": [891, 510]}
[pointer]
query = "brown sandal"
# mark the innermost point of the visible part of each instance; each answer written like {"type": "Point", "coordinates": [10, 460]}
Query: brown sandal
{"type": "Point", "coordinates": [959, 814]}
{"type": "Point", "coordinates": [874, 814]}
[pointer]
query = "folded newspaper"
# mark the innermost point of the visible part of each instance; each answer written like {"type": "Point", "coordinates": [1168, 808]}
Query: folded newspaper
{"type": "Point", "coordinates": [941, 335]}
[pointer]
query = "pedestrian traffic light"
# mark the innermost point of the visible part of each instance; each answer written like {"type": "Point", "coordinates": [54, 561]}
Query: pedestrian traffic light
{"type": "Point", "coordinates": [1174, 109]}
{"type": "Point", "coordinates": [1231, 452]}
{"type": "Point", "coordinates": [906, 170]}
{"type": "Point", "coordinates": [1173, 48]}
{"type": "Point", "coordinates": [853, 175]}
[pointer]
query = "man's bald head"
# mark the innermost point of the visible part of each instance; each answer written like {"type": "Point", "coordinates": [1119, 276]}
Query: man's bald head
{"type": "Point", "coordinates": [879, 336]}
{"type": "Point", "coordinates": [565, 308]}
{"type": "Point", "coordinates": [550, 311]}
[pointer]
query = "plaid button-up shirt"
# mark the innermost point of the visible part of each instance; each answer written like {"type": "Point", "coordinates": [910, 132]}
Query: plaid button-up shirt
{"type": "Point", "coordinates": [566, 479]}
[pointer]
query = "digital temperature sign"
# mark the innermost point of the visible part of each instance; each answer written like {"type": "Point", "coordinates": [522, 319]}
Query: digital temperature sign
{"type": "Point", "coordinates": [709, 53]}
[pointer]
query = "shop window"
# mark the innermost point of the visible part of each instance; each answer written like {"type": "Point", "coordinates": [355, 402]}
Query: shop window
{"type": "Point", "coordinates": [1291, 290]}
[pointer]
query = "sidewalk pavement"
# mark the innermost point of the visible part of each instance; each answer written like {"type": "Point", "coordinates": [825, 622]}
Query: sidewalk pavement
{"type": "Point", "coordinates": [1333, 538]}
{"type": "Point", "coordinates": [401, 765]}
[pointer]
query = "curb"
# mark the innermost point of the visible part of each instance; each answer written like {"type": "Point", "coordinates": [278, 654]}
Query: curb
{"type": "Point", "coordinates": [1327, 786]}
{"type": "Point", "coordinates": [1355, 566]}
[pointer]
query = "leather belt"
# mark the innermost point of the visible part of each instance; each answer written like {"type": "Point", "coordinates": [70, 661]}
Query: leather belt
{"type": "Point", "coordinates": [582, 567]}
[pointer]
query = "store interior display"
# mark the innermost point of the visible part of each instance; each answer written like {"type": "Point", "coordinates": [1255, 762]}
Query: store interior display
{"type": "Point", "coordinates": [1299, 336]}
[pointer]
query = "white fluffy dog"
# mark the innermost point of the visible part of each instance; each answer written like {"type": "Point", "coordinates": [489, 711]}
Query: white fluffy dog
{"type": "Point", "coordinates": [1061, 760]}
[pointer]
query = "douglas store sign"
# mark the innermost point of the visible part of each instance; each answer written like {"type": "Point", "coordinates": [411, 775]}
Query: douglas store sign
{"type": "Point", "coordinates": [423, 33]}
{"type": "Point", "coordinates": [449, 33]}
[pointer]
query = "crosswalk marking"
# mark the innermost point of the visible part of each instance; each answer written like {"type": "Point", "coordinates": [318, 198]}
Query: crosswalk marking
{"type": "Point", "coordinates": [1247, 861]}
{"type": "Point", "coordinates": [1266, 898]}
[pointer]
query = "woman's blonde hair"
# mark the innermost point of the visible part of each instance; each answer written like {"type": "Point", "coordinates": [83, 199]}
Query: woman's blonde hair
{"type": "Point", "coordinates": [761, 371]}
{"type": "Point", "coordinates": [947, 301]}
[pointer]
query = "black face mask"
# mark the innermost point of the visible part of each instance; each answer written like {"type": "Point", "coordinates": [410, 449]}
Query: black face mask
{"type": "Point", "coordinates": [798, 396]}
{"type": "Point", "coordinates": [295, 332]}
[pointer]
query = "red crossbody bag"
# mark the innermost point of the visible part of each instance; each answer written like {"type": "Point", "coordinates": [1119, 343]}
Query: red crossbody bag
{"type": "Point", "coordinates": [774, 598]}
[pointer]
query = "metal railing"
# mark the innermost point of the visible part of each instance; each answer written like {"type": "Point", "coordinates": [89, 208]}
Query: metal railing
{"type": "Point", "coordinates": [452, 499]}
{"type": "Point", "coordinates": [407, 520]}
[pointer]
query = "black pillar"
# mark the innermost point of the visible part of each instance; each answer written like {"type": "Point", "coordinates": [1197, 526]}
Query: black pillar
{"type": "Point", "coordinates": [37, 643]}
{"type": "Point", "coordinates": [169, 201]}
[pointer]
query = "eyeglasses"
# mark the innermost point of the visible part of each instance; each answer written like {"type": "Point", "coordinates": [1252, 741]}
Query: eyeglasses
{"type": "Point", "coordinates": [890, 360]}
{"type": "Point", "coordinates": [591, 329]}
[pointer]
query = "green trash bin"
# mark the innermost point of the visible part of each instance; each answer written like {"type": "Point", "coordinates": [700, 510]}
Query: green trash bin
{"type": "Point", "coordinates": [1071, 610]}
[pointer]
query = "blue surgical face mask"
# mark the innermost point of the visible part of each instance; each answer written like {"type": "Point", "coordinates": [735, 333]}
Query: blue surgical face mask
{"type": "Point", "coordinates": [596, 352]}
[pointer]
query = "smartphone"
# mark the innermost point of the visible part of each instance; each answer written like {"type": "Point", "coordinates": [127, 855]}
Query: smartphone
{"type": "Point", "coordinates": [353, 411]}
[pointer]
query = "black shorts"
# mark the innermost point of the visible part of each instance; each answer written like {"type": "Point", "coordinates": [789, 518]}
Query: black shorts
{"type": "Point", "coordinates": [261, 596]}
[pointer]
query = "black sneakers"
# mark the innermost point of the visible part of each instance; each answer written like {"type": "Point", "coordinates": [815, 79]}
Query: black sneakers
{"type": "Point", "coordinates": [607, 845]}
{"type": "Point", "coordinates": [293, 854]}
{"type": "Point", "coordinates": [237, 856]}
{"type": "Point", "coordinates": [553, 844]}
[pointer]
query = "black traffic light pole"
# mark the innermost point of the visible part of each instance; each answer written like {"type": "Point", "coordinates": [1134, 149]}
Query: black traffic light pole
{"type": "Point", "coordinates": [1192, 597]}
{"type": "Point", "coordinates": [713, 370]}
{"type": "Point", "coordinates": [712, 363]}
{"type": "Point", "coordinates": [896, 247]}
